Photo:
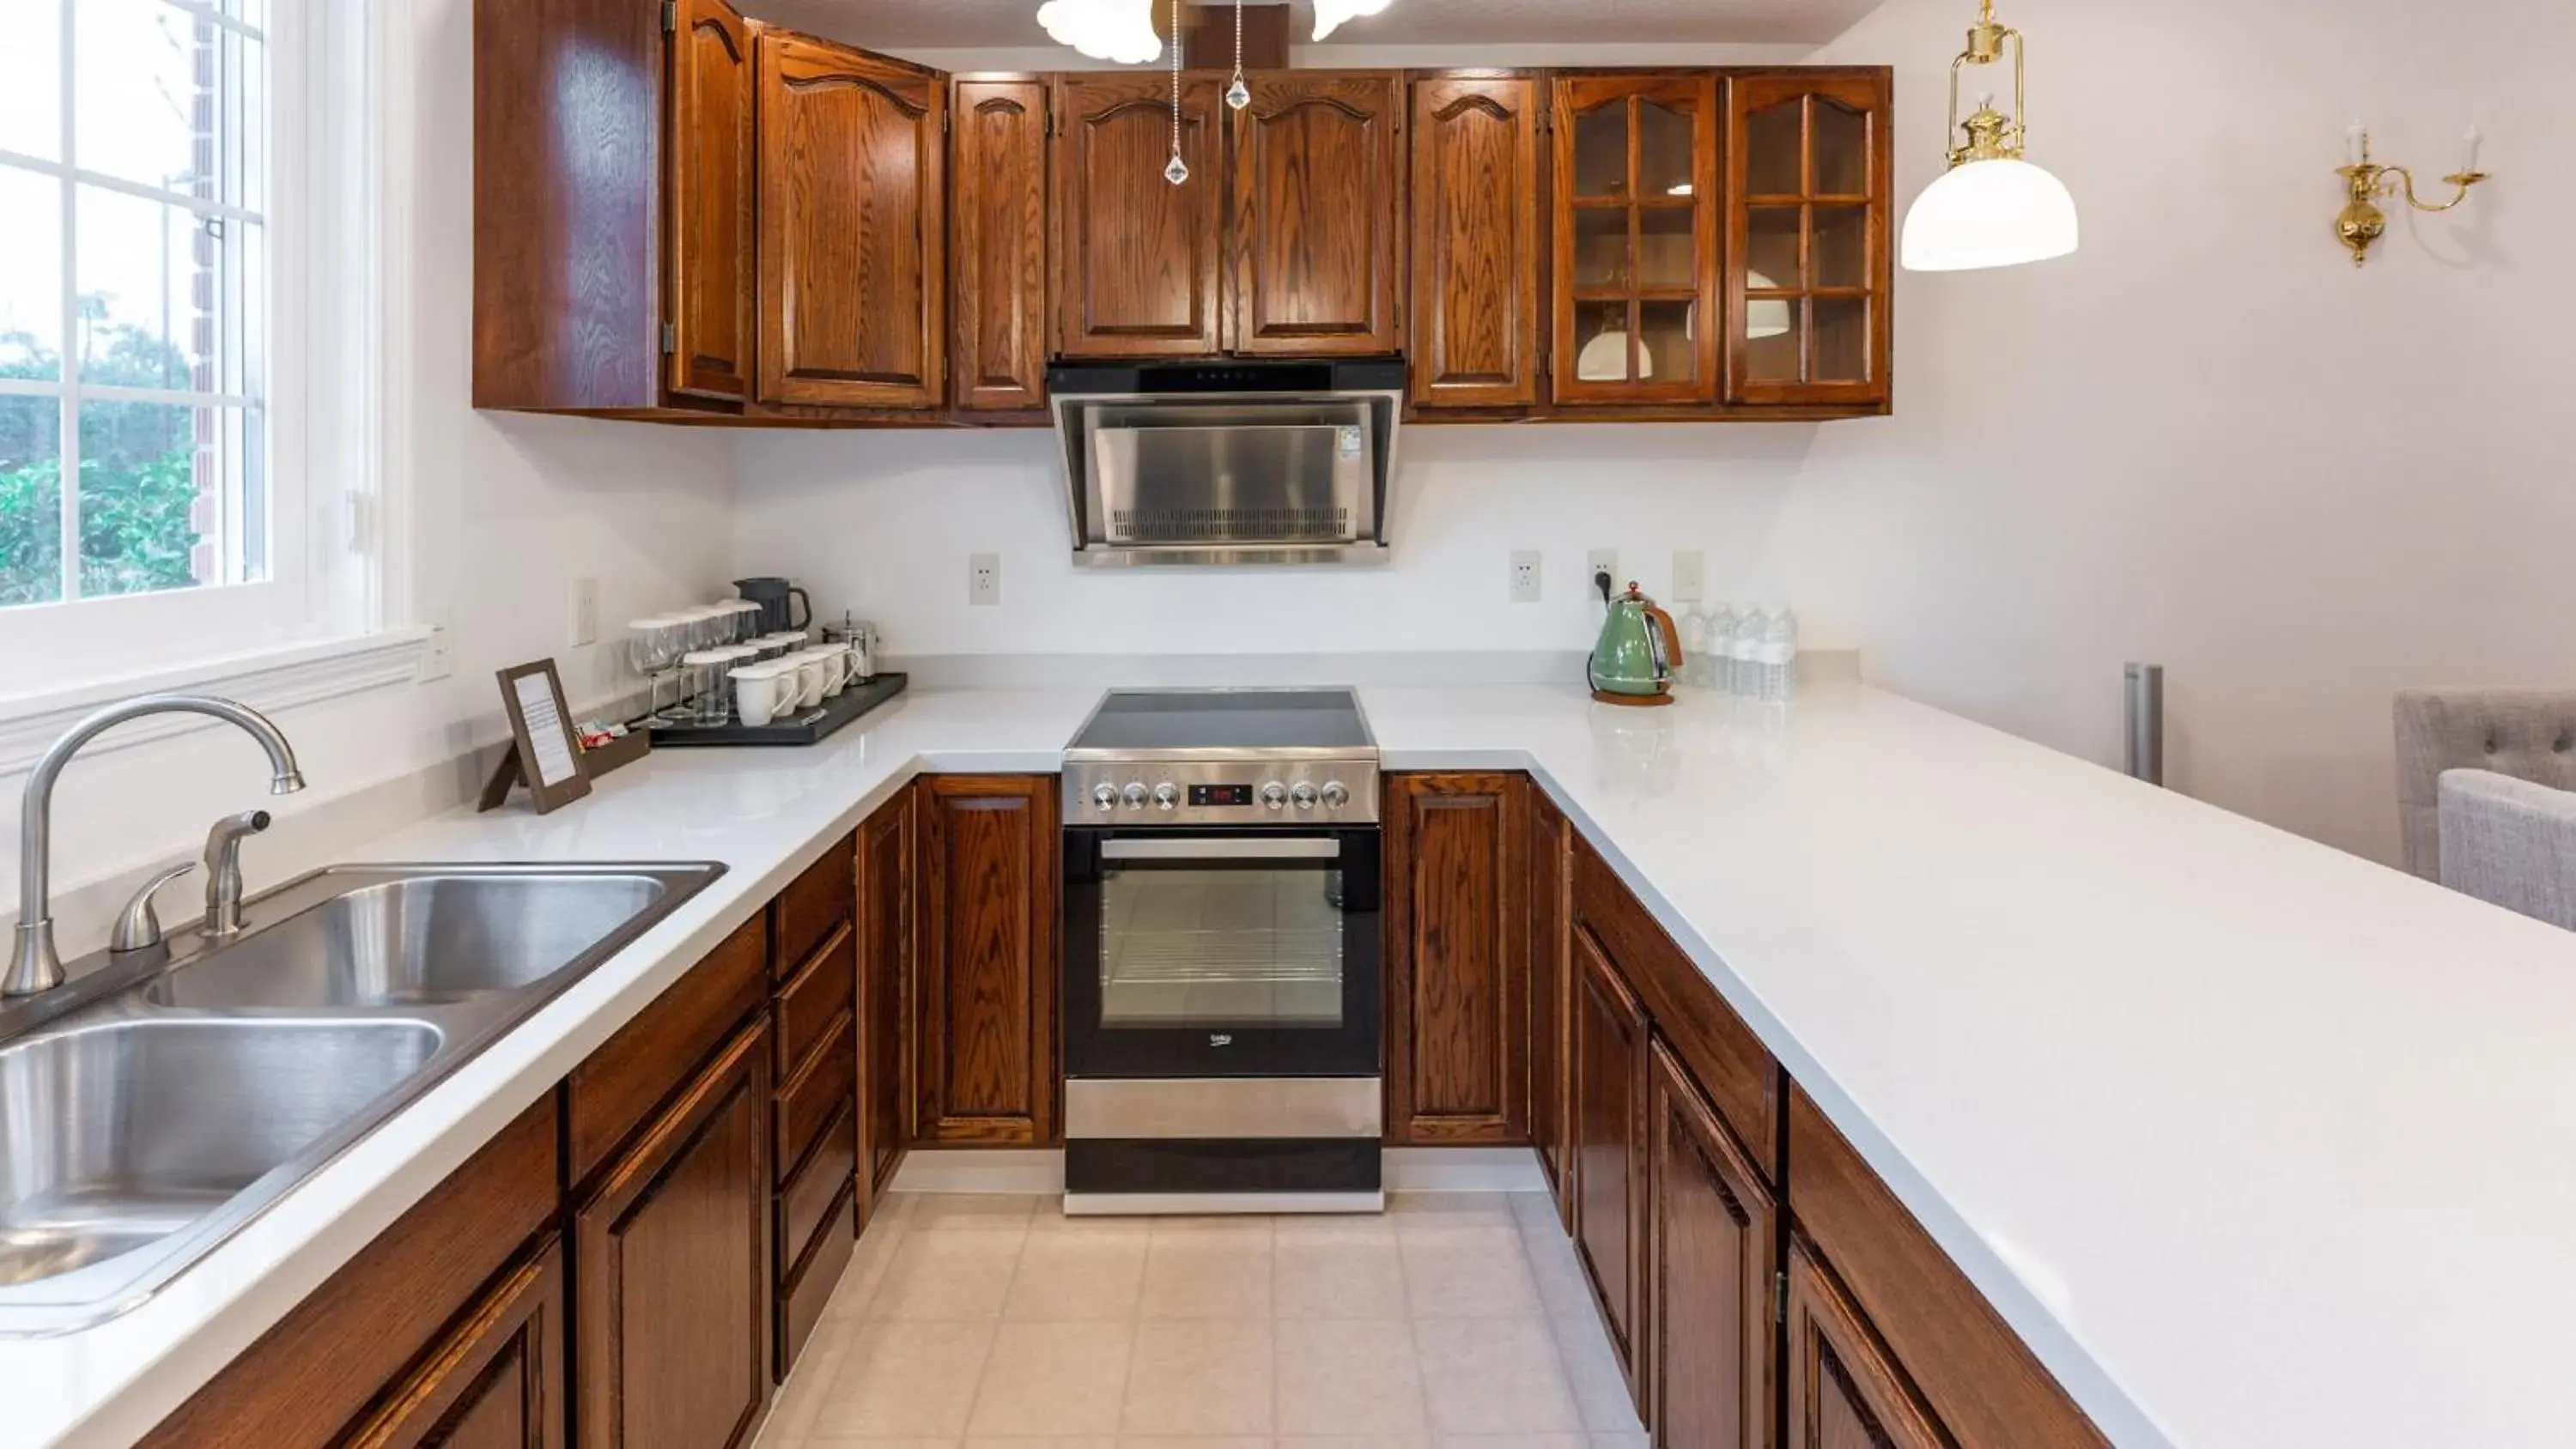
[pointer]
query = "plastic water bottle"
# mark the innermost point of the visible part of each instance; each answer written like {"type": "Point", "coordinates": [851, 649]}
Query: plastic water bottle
{"type": "Point", "coordinates": [1693, 628]}
{"type": "Point", "coordinates": [1718, 658]}
{"type": "Point", "coordinates": [1750, 630]}
{"type": "Point", "coordinates": [1780, 657]}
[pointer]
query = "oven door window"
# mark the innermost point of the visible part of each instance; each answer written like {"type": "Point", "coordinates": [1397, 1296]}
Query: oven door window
{"type": "Point", "coordinates": [1223, 955]}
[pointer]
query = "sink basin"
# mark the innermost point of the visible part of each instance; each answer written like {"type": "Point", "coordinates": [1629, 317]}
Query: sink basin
{"type": "Point", "coordinates": [120, 1134]}
{"type": "Point", "coordinates": [420, 941]}
{"type": "Point", "coordinates": [155, 1103]}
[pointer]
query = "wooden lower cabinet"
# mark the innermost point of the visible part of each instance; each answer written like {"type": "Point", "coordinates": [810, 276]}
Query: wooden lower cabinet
{"type": "Point", "coordinates": [984, 1043]}
{"type": "Point", "coordinates": [885, 920]}
{"type": "Point", "coordinates": [1549, 942]}
{"type": "Point", "coordinates": [1844, 1388]}
{"type": "Point", "coordinates": [1457, 1025]}
{"type": "Point", "coordinates": [1610, 1039]}
{"type": "Point", "coordinates": [672, 1262]}
{"type": "Point", "coordinates": [498, 1380]}
{"type": "Point", "coordinates": [1711, 1263]}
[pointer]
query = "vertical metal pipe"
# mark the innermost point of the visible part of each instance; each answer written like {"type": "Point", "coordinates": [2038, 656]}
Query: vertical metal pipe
{"type": "Point", "coordinates": [2146, 723]}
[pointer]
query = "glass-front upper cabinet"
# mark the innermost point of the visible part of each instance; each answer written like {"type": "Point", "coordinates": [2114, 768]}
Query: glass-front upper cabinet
{"type": "Point", "coordinates": [1808, 238]}
{"type": "Point", "coordinates": [1637, 234]}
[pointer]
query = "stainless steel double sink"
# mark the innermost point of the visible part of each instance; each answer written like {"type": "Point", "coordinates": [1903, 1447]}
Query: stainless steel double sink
{"type": "Point", "coordinates": [150, 1109]}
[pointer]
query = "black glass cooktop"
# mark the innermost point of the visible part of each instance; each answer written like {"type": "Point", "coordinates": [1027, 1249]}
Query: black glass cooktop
{"type": "Point", "coordinates": [1227, 719]}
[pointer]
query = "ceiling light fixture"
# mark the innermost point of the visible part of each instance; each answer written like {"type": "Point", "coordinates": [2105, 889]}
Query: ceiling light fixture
{"type": "Point", "coordinates": [1991, 208]}
{"type": "Point", "coordinates": [1120, 31]}
{"type": "Point", "coordinates": [1329, 14]}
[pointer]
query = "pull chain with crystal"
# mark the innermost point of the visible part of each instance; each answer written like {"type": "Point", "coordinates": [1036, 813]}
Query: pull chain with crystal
{"type": "Point", "coordinates": [1179, 170]}
{"type": "Point", "coordinates": [1238, 95]}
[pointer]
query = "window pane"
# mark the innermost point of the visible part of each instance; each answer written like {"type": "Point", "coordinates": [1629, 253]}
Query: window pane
{"type": "Point", "coordinates": [1667, 251]}
{"type": "Point", "coordinates": [1601, 151]}
{"type": "Point", "coordinates": [1842, 339]}
{"type": "Point", "coordinates": [31, 275]}
{"type": "Point", "coordinates": [1774, 165]}
{"type": "Point", "coordinates": [1601, 246]}
{"type": "Point", "coordinates": [1771, 248]}
{"type": "Point", "coordinates": [1601, 342]}
{"type": "Point", "coordinates": [1842, 246]}
{"type": "Point", "coordinates": [1669, 331]}
{"type": "Point", "coordinates": [1842, 150]}
{"type": "Point", "coordinates": [149, 277]}
{"type": "Point", "coordinates": [140, 473]}
{"type": "Point", "coordinates": [31, 500]}
{"type": "Point", "coordinates": [1774, 342]}
{"type": "Point", "coordinates": [1665, 165]}
{"type": "Point", "coordinates": [31, 86]}
{"type": "Point", "coordinates": [144, 89]}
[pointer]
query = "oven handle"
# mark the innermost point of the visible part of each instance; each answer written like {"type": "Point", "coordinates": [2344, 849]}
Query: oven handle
{"type": "Point", "coordinates": [1226, 848]}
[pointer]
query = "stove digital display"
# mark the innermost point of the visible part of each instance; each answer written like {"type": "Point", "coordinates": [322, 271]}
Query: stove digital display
{"type": "Point", "coordinates": [1202, 796]}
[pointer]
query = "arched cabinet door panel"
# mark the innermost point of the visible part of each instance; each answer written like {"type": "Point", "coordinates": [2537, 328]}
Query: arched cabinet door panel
{"type": "Point", "coordinates": [1318, 240]}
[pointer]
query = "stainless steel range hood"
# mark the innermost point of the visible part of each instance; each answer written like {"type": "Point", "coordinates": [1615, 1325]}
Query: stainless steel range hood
{"type": "Point", "coordinates": [1228, 462]}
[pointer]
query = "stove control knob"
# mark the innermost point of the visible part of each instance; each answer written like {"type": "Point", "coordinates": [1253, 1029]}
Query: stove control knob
{"type": "Point", "coordinates": [1134, 795]}
{"type": "Point", "coordinates": [1104, 797]}
{"type": "Point", "coordinates": [1304, 795]}
{"type": "Point", "coordinates": [1336, 795]}
{"type": "Point", "coordinates": [1274, 797]}
{"type": "Point", "coordinates": [1167, 795]}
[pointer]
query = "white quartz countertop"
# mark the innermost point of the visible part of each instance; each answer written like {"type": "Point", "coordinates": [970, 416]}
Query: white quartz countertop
{"type": "Point", "coordinates": [2254, 1142]}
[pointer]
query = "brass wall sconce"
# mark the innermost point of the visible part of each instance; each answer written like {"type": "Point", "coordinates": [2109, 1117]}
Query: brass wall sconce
{"type": "Point", "coordinates": [2361, 223]}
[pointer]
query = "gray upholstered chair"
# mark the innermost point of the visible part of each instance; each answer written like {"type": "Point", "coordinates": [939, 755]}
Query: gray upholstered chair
{"type": "Point", "coordinates": [2528, 734]}
{"type": "Point", "coordinates": [2510, 843]}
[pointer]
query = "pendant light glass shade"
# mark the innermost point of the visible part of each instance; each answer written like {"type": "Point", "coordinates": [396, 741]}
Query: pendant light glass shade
{"type": "Point", "coordinates": [1994, 213]}
{"type": "Point", "coordinates": [1119, 31]}
{"type": "Point", "coordinates": [1329, 14]}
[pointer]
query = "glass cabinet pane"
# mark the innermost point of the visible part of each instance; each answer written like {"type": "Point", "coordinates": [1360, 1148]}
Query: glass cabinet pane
{"type": "Point", "coordinates": [1664, 160]}
{"type": "Point", "coordinates": [1775, 340]}
{"type": "Point", "coordinates": [1668, 332]}
{"type": "Point", "coordinates": [1842, 246]}
{"type": "Point", "coordinates": [1601, 246]}
{"type": "Point", "coordinates": [1601, 342]}
{"type": "Point", "coordinates": [1771, 247]}
{"type": "Point", "coordinates": [1842, 339]}
{"type": "Point", "coordinates": [1842, 150]}
{"type": "Point", "coordinates": [1773, 144]}
{"type": "Point", "coordinates": [1601, 151]}
{"type": "Point", "coordinates": [1667, 254]}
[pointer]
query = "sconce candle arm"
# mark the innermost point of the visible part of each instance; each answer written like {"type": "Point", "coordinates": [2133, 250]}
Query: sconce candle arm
{"type": "Point", "coordinates": [2459, 181]}
{"type": "Point", "coordinates": [2366, 183]}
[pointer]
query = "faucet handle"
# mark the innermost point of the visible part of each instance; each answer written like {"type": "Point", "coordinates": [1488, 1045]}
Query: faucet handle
{"type": "Point", "coordinates": [138, 926]}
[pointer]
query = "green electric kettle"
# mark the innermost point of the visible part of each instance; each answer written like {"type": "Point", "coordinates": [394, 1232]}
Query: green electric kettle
{"type": "Point", "coordinates": [1638, 654]}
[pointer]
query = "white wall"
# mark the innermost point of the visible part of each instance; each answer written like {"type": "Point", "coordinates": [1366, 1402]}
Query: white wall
{"type": "Point", "coordinates": [2206, 440]}
{"type": "Point", "coordinates": [506, 513]}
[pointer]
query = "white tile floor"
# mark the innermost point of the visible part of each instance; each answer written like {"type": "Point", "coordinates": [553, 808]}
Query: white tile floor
{"type": "Point", "coordinates": [1456, 1321]}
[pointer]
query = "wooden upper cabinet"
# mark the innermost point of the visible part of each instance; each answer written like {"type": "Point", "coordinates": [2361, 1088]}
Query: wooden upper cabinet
{"type": "Point", "coordinates": [1710, 1265]}
{"type": "Point", "coordinates": [1318, 223]}
{"type": "Point", "coordinates": [1478, 261]}
{"type": "Point", "coordinates": [984, 1040]}
{"type": "Point", "coordinates": [1637, 233]}
{"type": "Point", "coordinates": [1610, 1042]}
{"type": "Point", "coordinates": [1809, 232]}
{"type": "Point", "coordinates": [713, 272]}
{"type": "Point", "coordinates": [1844, 1388]}
{"type": "Point", "coordinates": [997, 243]}
{"type": "Point", "coordinates": [852, 286]}
{"type": "Point", "coordinates": [1137, 258]}
{"type": "Point", "coordinates": [1458, 995]}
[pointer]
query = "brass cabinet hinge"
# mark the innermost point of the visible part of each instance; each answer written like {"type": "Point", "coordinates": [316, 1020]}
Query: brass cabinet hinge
{"type": "Point", "coordinates": [1779, 1297]}
{"type": "Point", "coordinates": [670, 17]}
{"type": "Point", "coordinates": [670, 338]}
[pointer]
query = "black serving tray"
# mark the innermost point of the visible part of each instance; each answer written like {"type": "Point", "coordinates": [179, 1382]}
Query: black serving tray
{"type": "Point", "coordinates": [808, 728]}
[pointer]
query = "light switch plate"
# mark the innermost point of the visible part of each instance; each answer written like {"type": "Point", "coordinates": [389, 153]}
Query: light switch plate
{"type": "Point", "coordinates": [437, 655]}
{"type": "Point", "coordinates": [984, 579]}
{"type": "Point", "coordinates": [1690, 576]}
{"type": "Point", "coordinates": [585, 612]}
{"type": "Point", "coordinates": [1525, 573]}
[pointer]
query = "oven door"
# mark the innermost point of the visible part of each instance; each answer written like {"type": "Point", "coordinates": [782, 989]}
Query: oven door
{"type": "Point", "coordinates": [1221, 952]}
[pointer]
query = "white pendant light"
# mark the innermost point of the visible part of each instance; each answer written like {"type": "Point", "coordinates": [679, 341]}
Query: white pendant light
{"type": "Point", "coordinates": [1764, 316]}
{"type": "Point", "coordinates": [1329, 14]}
{"type": "Point", "coordinates": [1119, 31]}
{"type": "Point", "coordinates": [1992, 208]}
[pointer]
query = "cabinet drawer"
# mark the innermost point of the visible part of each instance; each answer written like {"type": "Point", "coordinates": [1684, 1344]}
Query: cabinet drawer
{"type": "Point", "coordinates": [813, 1186]}
{"type": "Point", "coordinates": [805, 1105]}
{"type": "Point", "coordinates": [1729, 1061]}
{"type": "Point", "coordinates": [811, 1003]}
{"type": "Point", "coordinates": [809, 1288]}
{"type": "Point", "coordinates": [826, 896]}
{"type": "Point", "coordinates": [611, 1093]}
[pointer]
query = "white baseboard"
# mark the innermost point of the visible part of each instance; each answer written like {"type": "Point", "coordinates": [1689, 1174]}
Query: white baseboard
{"type": "Point", "coordinates": [1408, 1169]}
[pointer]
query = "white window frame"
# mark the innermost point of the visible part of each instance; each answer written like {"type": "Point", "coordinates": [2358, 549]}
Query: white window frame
{"type": "Point", "coordinates": [333, 589]}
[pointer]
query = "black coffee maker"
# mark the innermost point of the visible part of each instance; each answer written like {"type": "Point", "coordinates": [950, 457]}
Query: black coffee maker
{"type": "Point", "coordinates": [783, 606]}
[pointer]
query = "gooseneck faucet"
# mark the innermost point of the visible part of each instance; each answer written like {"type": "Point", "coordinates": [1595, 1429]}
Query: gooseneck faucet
{"type": "Point", "coordinates": [34, 965]}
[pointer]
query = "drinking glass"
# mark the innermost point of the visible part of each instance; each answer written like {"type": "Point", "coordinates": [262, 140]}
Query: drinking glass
{"type": "Point", "coordinates": [652, 647]}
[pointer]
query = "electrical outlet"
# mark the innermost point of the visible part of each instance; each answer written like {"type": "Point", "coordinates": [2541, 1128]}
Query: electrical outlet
{"type": "Point", "coordinates": [984, 578]}
{"type": "Point", "coordinates": [1525, 576]}
{"type": "Point", "coordinates": [585, 612]}
{"type": "Point", "coordinates": [1598, 562]}
{"type": "Point", "coordinates": [1690, 576]}
{"type": "Point", "coordinates": [437, 657]}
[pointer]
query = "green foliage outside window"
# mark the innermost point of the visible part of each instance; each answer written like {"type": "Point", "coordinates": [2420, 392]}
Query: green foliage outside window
{"type": "Point", "coordinates": [137, 485]}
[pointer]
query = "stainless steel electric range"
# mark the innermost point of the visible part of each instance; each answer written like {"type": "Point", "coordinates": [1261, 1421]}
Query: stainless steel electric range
{"type": "Point", "coordinates": [1222, 955]}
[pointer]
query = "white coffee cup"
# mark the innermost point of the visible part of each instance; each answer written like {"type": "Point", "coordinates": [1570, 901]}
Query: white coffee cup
{"type": "Point", "coordinates": [837, 658]}
{"type": "Point", "coordinates": [810, 670]}
{"type": "Point", "coordinates": [763, 692]}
